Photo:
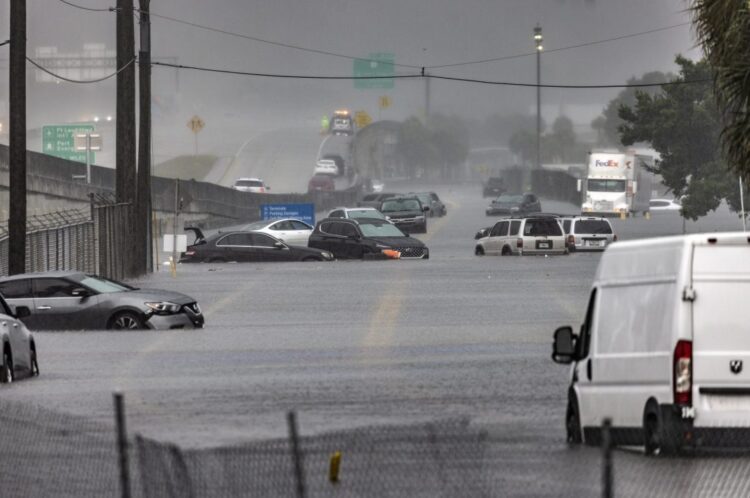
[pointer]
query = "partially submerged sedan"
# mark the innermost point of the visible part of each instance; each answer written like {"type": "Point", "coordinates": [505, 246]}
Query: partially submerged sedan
{"type": "Point", "coordinates": [77, 301]}
{"type": "Point", "coordinates": [243, 246]}
{"type": "Point", "coordinates": [18, 348]}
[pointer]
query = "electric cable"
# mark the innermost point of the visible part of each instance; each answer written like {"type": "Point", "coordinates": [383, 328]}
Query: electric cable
{"type": "Point", "coordinates": [90, 9]}
{"type": "Point", "coordinates": [69, 80]}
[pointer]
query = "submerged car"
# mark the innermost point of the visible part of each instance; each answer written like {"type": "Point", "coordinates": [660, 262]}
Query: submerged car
{"type": "Point", "coordinates": [254, 247]}
{"type": "Point", "coordinates": [431, 199]}
{"type": "Point", "coordinates": [519, 236]}
{"type": "Point", "coordinates": [78, 301]}
{"type": "Point", "coordinates": [19, 357]}
{"type": "Point", "coordinates": [407, 213]}
{"type": "Point", "coordinates": [288, 230]}
{"type": "Point", "coordinates": [514, 204]}
{"type": "Point", "coordinates": [588, 233]}
{"type": "Point", "coordinates": [363, 238]}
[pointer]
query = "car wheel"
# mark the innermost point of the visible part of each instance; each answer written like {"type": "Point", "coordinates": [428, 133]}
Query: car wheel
{"type": "Point", "coordinates": [6, 370]}
{"type": "Point", "coordinates": [573, 423]}
{"type": "Point", "coordinates": [506, 251]}
{"type": "Point", "coordinates": [479, 251]}
{"type": "Point", "coordinates": [34, 363]}
{"type": "Point", "coordinates": [658, 437]}
{"type": "Point", "coordinates": [126, 320]}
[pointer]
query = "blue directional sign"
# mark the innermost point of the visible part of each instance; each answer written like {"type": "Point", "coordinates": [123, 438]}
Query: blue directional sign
{"type": "Point", "coordinates": [303, 212]}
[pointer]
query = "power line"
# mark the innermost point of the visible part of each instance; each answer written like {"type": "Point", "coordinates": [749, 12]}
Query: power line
{"type": "Point", "coordinates": [419, 75]}
{"type": "Point", "coordinates": [559, 49]}
{"type": "Point", "coordinates": [69, 80]}
{"type": "Point", "coordinates": [90, 9]}
{"type": "Point", "coordinates": [269, 42]}
{"type": "Point", "coordinates": [4, 43]}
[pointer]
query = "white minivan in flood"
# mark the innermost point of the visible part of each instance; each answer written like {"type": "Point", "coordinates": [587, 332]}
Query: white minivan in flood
{"type": "Point", "coordinates": [664, 351]}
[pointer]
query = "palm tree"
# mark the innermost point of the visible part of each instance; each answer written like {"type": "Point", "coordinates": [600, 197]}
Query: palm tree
{"type": "Point", "coordinates": [723, 28]}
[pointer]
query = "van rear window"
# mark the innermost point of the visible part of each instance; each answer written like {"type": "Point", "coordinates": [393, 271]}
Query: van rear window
{"type": "Point", "coordinates": [593, 226]}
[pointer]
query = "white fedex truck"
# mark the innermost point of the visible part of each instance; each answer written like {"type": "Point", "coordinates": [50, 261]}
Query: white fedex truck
{"type": "Point", "coordinates": [664, 350]}
{"type": "Point", "coordinates": [616, 183]}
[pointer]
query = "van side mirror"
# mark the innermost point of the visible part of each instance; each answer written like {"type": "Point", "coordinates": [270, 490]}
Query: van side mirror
{"type": "Point", "coordinates": [564, 346]}
{"type": "Point", "coordinates": [21, 312]}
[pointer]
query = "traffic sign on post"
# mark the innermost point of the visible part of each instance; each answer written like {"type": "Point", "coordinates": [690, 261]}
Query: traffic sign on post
{"type": "Point", "coordinates": [362, 118]}
{"type": "Point", "coordinates": [59, 141]}
{"type": "Point", "coordinates": [380, 66]}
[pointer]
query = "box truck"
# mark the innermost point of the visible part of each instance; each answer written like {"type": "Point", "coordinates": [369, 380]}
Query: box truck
{"type": "Point", "coordinates": [616, 184]}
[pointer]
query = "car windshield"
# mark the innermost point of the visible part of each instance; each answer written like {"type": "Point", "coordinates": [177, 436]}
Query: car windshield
{"type": "Point", "coordinates": [380, 230]}
{"type": "Point", "coordinates": [248, 183]}
{"type": "Point", "coordinates": [593, 226]}
{"type": "Point", "coordinates": [401, 205]}
{"type": "Point", "coordinates": [509, 199]}
{"type": "Point", "coordinates": [103, 285]}
{"type": "Point", "coordinates": [606, 185]}
{"type": "Point", "coordinates": [365, 213]}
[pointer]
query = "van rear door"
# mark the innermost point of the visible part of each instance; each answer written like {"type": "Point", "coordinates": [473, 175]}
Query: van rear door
{"type": "Point", "coordinates": [721, 333]}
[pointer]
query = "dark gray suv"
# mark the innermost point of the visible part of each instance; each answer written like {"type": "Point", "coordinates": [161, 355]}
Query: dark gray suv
{"type": "Point", "coordinates": [77, 301]}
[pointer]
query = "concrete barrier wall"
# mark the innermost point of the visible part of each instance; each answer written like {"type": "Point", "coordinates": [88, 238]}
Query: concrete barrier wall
{"type": "Point", "coordinates": [51, 187]}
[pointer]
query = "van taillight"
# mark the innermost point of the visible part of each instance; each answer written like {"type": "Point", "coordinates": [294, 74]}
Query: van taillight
{"type": "Point", "coordinates": [262, 190]}
{"type": "Point", "coordinates": [571, 240]}
{"type": "Point", "coordinates": [614, 239]}
{"type": "Point", "coordinates": [683, 373]}
{"type": "Point", "coordinates": [519, 243]}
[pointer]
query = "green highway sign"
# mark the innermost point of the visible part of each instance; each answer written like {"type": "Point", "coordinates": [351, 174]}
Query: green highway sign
{"type": "Point", "coordinates": [59, 141]}
{"type": "Point", "coordinates": [379, 65]}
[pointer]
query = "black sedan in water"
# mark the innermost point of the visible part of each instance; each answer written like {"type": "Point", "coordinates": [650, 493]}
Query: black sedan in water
{"type": "Point", "coordinates": [365, 237]}
{"type": "Point", "coordinates": [248, 246]}
{"type": "Point", "coordinates": [514, 204]}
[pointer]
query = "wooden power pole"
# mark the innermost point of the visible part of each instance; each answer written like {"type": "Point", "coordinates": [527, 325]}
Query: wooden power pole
{"type": "Point", "coordinates": [125, 186]}
{"type": "Point", "coordinates": [143, 204]}
{"type": "Point", "coordinates": [17, 139]}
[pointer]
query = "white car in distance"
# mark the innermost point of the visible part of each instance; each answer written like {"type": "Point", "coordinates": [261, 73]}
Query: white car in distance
{"type": "Point", "coordinates": [664, 205]}
{"type": "Point", "coordinates": [254, 185]}
{"type": "Point", "coordinates": [326, 167]}
{"type": "Point", "coordinates": [358, 212]}
{"type": "Point", "coordinates": [289, 230]}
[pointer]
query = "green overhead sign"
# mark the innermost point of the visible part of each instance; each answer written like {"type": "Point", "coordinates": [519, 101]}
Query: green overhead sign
{"type": "Point", "coordinates": [380, 66]}
{"type": "Point", "coordinates": [59, 141]}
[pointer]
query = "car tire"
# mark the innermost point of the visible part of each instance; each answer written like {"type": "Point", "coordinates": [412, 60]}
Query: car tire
{"type": "Point", "coordinates": [6, 369]}
{"type": "Point", "coordinates": [126, 320]}
{"type": "Point", "coordinates": [507, 251]}
{"type": "Point", "coordinates": [34, 363]}
{"type": "Point", "coordinates": [659, 437]}
{"type": "Point", "coordinates": [479, 251]}
{"type": "Point", "coordinates": [573, 422]}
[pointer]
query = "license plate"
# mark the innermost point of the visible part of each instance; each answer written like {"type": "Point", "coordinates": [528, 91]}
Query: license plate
{"type": "Point", "coordinates": [544, 245]}
{"type": "Point", "coordinates": [595, 243]}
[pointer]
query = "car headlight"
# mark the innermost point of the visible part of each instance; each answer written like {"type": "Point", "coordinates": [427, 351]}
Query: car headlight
{"type": "Point", "coordinates": [163, 307]}
{"type": "Point", "coordinates": [327, 255]}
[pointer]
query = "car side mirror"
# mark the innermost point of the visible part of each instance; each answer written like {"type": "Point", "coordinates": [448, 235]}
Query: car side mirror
{"type": "Point", "coordinates": [564, 346]}
{"type": "Point", "coordinates": [80, 292]}
{"type": "Point", "coordinates": [21, 312]}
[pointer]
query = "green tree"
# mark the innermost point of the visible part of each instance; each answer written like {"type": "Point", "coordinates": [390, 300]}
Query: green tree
{"type": "Point", "coordinates": [682, 123]}
{"type": "Point", "coordinates": [723, 28]}
{"type": "Point", "coordinates": [606, 125]}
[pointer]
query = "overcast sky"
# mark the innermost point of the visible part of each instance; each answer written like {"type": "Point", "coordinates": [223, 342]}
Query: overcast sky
{"type": "Point", "coordinates": [417, 32]}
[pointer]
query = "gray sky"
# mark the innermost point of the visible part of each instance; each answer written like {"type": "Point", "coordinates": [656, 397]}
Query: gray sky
{"type": "Point", "coordinates": [418, 32]}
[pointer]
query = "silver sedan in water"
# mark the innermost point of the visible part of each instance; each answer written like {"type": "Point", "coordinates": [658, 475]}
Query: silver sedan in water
{"type": "Point", "coordinates": [77, 301]}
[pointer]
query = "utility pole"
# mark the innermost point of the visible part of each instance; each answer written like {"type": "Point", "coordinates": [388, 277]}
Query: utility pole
{"type": "Point", "coordinates": [426, 95]}
{"type": "Point", "coordinates": [17, 139]}
{"type": "Point", "coordinates": [144, 263]}
{"type": "Point", "coordinates": [538, 39]}
{"type": "Point", "coordinates": [125, 160]}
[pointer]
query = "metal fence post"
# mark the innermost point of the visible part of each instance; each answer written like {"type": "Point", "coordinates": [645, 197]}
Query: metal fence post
{"type": "Point", "coordinates": [299, 475]}
{"type": "Point", "coordinates": [607, 474]}
{"type": "Point", "coordinates": [122, 445]}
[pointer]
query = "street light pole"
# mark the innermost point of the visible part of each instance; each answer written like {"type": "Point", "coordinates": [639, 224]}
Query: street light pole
{"type": "Point", "coordinates": [538, 40]}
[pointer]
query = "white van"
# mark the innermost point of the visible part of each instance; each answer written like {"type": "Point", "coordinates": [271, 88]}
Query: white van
{"type": "Point", "coordinates": [664, 351]}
